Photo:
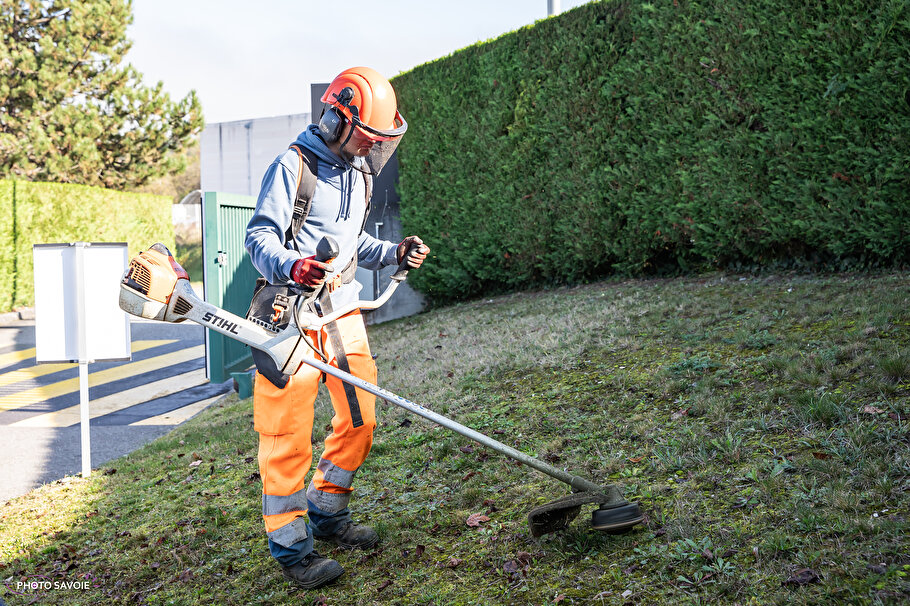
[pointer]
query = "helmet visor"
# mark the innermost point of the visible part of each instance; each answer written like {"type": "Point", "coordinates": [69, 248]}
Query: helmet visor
{"type": "Point", "coordinates": [398, 128]}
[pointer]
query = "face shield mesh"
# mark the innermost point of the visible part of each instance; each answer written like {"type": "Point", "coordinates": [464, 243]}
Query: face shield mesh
{"type": "Point", "coordinates": [384, 141]}
{"type": "Point", "coordinates": [380, 154]}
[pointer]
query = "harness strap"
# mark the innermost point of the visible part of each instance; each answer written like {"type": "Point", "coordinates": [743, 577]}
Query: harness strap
{"type": "Point", "coordinates": [325, 305]}
{"type": "Point", "coordinates": [306, 189]}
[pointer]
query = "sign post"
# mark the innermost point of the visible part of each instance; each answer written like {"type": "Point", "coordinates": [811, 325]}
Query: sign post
{"type": "Point", "coordinates": [77, 314]}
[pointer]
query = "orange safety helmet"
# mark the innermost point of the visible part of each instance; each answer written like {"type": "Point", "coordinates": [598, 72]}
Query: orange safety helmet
{"type": "Point", "coordinates": [367, 100]}
{"type": "Point", "coordinates": [363, 97]}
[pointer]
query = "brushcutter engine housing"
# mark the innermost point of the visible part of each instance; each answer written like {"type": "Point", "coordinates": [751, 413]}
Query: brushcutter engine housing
{"type": "Point", "coordinates": [152, 275]}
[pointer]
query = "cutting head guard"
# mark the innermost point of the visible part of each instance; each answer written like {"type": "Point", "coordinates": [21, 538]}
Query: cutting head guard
{"type": "Point", "coordinates": [362, 97]}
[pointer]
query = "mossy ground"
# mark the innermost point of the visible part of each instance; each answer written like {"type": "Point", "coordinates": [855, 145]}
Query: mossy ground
{"type": "Point", "coordinates": [761, 423]}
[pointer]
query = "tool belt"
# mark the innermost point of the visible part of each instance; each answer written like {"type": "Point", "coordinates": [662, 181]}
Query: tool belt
{"type": "Point", "coordinates": [272, 306]}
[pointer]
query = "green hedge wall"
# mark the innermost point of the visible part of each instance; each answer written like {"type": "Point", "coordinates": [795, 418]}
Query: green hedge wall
{"type": "Point", "coordinates": [649, 137]}
{"type": "Point", "coordinates": [57, 213]}
{"type": "Point", "coordinates": [7, 245]}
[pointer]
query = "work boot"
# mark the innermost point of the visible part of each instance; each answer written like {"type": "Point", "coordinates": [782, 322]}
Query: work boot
{"type": "Point", "coordinates": [313, 571]}
{"type": "Point", "coordinates": [352, 536]}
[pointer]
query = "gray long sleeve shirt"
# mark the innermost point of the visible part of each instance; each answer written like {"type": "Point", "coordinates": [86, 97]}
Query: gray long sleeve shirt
{"type": "Point", "coordinates": [337, 210]}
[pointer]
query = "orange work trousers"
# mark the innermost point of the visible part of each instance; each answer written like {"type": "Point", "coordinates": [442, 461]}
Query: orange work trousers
{"type": "Point", "coordinates": [284, 420]}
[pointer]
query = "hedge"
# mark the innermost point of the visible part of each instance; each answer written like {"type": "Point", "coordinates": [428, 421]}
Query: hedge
{"type": "Point", "coordinates": [57, 213]}
{"type": "Point", "coordinates": [7, 244]}
{"type": "Point", "coordinates": [661, 137]}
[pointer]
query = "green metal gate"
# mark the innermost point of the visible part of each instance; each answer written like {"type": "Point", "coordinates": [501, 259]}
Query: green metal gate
{"type": "Point", "coordinates": [229, 277]}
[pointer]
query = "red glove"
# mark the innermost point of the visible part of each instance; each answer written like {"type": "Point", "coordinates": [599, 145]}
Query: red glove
{"type": "Point", "coordinates": [309, 271]}
{"type": "Point", "coordinates": [415, 249]}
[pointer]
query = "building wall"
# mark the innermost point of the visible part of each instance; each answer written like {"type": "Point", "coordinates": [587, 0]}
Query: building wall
{"type": "Point", "coordinates": [234, 155]}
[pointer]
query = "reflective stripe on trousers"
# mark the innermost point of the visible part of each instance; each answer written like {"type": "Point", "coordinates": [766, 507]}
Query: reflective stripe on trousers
{"type": "Point", "coordinates": [284, 420]}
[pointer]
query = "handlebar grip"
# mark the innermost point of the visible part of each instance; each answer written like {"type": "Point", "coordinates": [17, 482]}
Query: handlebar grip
{"type": "Point", "coordinates": [402, 272]}
{"type": "Point", "coordinates": [327, 249]}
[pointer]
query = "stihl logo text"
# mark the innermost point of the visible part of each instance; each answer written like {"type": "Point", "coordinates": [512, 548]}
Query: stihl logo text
{"type": "Point", "coordinates": [220, 322]}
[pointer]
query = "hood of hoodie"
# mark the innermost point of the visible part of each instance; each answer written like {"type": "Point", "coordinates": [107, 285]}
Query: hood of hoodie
{"type": "Point", "coordinates": [311, 139]}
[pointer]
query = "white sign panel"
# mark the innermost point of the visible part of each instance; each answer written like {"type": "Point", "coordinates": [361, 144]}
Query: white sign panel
{"type": "Point", "coordinates": [77, 315]}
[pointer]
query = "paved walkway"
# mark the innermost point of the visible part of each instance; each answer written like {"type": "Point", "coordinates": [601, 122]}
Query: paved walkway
{"type": "Point", "coordinates": [130, 403]}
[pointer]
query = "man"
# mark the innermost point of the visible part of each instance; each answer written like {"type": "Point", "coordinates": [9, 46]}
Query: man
{"type": "Point", "coordinates": [358, 131]}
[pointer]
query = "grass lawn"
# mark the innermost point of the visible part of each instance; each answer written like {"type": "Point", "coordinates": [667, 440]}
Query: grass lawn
{"type": "Point", "coordinates": [761, 423]}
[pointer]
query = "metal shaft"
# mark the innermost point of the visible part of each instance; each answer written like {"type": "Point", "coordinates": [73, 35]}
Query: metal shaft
{"type": "Point", "coordinates": [577, 484]}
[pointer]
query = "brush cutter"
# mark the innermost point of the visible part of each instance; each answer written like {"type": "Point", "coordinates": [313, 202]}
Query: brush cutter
{"type": "Point", "coordinates": [155, 287]}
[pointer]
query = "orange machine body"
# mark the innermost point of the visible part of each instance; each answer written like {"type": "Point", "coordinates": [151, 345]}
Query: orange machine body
{"type": "Point", "coordinates": [154, 274]}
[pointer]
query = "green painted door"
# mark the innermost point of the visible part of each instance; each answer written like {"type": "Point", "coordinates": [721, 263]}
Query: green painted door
{"type": "Point", "coordinates": [229, 277]}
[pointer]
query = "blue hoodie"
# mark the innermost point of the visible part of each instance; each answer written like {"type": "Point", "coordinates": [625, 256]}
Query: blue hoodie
{"type": "Point", "coordinates": [337, 210]}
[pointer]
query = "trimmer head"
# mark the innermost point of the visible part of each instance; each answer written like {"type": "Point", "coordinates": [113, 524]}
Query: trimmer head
{"type": "Point", "coordinates": [616, 520]}
{"type": "Point", "coordinates": [612, 516]}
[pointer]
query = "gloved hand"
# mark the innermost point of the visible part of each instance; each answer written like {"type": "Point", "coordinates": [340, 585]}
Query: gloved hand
{"type": "Point", "coordinates": [415, 249]}
{"type": "Point", "coordinates": [309, 271]}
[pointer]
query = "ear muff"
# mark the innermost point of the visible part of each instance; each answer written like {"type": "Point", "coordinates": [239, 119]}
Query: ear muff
{"type": "Point", "coordinates": [332, 121]}
{"type": "Point", "coordinates": [331, 124]}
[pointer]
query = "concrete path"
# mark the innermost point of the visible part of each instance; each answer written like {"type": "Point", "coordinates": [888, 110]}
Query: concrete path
{"type": "Point", "coordinates": [131, 403]}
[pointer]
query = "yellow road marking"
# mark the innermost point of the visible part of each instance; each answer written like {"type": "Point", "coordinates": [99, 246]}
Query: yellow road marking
{"type": "Point", "coordinates": [117, 401]}
{"type": "Point", "coordinates": [32, 396]}
{"type": "Point", "coordinates": [39, 370]}
{"type": "Point", "coordinates": [14, 357]}
{"type": "Point", "coordinates": [176, 417]}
